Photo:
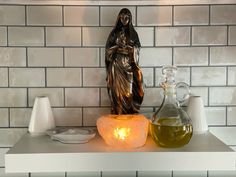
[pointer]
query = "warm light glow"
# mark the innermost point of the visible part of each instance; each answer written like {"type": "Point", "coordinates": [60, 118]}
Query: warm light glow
{"type": "Point", "coordinates": [121, 133]}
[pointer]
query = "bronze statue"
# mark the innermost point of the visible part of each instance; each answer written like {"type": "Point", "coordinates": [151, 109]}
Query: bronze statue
{"type": "Point", "coordinates": [124, 77]}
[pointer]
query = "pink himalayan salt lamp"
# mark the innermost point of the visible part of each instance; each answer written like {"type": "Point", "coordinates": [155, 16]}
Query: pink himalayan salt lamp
{"type": "Point", "coordinates": [126, 131]}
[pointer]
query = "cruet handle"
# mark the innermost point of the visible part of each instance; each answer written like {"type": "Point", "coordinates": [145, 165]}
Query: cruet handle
{"type": "Point", "coordinates": [182, 92]}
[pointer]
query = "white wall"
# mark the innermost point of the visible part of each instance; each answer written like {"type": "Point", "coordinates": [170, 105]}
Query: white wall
{"type": "Point", "coordinates": [58, 51]}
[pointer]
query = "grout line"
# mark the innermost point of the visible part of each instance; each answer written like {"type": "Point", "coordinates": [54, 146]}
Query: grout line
{"type": "Point", "coordinates": [9, 118]}
{"type": "Point", "coordinates": [172, 17]}
{"type": "Point", "coordinates": [190, 81]}
{"type": "Point", "coordinates": [45, 72]}
{"type": "Point", "coordinates": [227, 35]}
{"type": "Point", "coordinates": [81, 37]}
{"type": "Point", "coordinates": [226, 116]}
{"type": "Point", "coordinates": [26, 19]}
{"type": "Point", "coordinates": [63, 15]}
{"type": "Point", "coordinates": [7, 31]}
{"type": "Point", "coordinates": [136, 173]}
{"type": "Point", "coordinates": [27, 97]}
{"type": "Point", "coordinates": [45, 37]}
{"type": "Point", "coordinates": [227, 75]}
{"type": "Point", "coordinates": [63, 57]}
{"type": "Point", "coordinates": [64, 97]}
{"type": "Point", "coordinates": [209, 56]}
{"type": "Point", "coordinates": [8, 77]}
{"type": "Point", "coordinates": [99, 16]}
{"type": "Point", "coordinates": [209, 15]}
{"type": "Point", "coordinates": [208, 96]}
{"type": "Point", "coordinates": [82, 111]}
{"type": "Point", "coordinates": [27, 57]}
{"type": "Point", "coordinates": [101, 174]}
{"type": "Point", "coordinates": [191, 36]}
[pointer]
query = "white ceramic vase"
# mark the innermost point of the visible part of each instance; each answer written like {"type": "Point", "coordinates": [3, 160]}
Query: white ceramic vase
{"type": "Point", "coordinates": [42, 117]}
{"type": "Point", "coordinates": [197, 114]}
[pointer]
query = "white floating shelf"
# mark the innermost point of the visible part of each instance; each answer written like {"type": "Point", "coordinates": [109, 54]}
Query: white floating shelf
{"type": "Point", "coordinates": [41, 154]}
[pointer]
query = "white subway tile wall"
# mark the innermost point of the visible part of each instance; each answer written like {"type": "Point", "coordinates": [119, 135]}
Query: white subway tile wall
{"type": "Point", "coordinates": [58, 51]}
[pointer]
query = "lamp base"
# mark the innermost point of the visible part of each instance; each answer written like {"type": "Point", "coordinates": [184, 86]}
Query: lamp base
{"type": "Point", "coordinates": [126, 131]}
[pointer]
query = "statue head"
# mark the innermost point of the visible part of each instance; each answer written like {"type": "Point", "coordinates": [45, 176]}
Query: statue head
{"type": "Point", "coordinates": [124, 18]}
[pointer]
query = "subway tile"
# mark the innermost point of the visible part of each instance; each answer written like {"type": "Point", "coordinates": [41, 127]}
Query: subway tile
{"type": "Point", "coordinates": [84, 174]}
{"type": "Point", "coordinates": [51, 174]}
{"type": "Point", "coordinates": [91, 115]}
{"type": "Point", "coordinates": [10, 56]}
{"type": "Point", "coordinates": [81, 15]}
{"type": "Point", "coordinates": [3, 36]}
{"type": "Point", "coordinates": [231, 118]}
{"type": "Point", "coordinates": [209, 35]}
{"type": "Point", "coordinates": [222, 96]}
{"type": "Point", "coordinates": [79, 96]}
{"type": "Point", "coordinates": [153, 97]}
{"type": "Point", "coordinates": [155, 57]}
{"type": "Point", "coordinates": [13, 97]}
{"type": "Point", "coordinates": [44, 15]}
{"type": "Point", "coordinates": [95, 36]}
{"type": "Point", "coordinates": [223, 14]}
{"type": "Point", "coordinates": [105, 101]}
{"type": "Point", "coordinates": [222, 55]}
{"type": "Point", "coordinates": [208, 76]}
{"type": "Point", "coordinates": [182, 75]}
{"type": "Point", "coordinates": [2, 156]}
{"type": "Point", "coordinates": [82, 57]}
{"type": "Point", "coordinates": [190, 56]}
{"type": "Point", "coordinates": [232, 75]}
{"type": "Point", "coordinates": [225, 134]}
{"type": "Point", "coordinates": [63, 36]}
{"type": "Point", "coordinates": [146, 36]}
{"type": "Point", "coordinates": [232, 35]}
{"type": "Point", "coordinates": [3, 174]}
{"type": "Point", "coordinates": [9, 136]}
{"type": "Point", "coordinates": [45, 57]}
{"type": "Point", "coordinates": [55, 95]}
{"type": "Point", "coordinates": [3, 77]}
{"type": "Point", "coordinates": [119, 174]}
{"type": "Point", "coordinates": [190, 174]}
{"type": "Point", "coordinates": [215, 115]}
{"type": "Point", "coordinates": [63, 77]}
{"type": "Point", "coordinates": [162, 14]}
{"type": "Point", "coordinates": [27, 77]}
{"type": "Point", "coordinates": [154, 174]}
{"type": "Point", "coordinates": [109, 14]}
{"type": "Point", "coordinates": [26, 36]}
{"type": "Point", "coordinates": [200, 91]}
{"type": "Point", "coordinates": [94, 76]}
{"type": "Point", "coordinates": [148, 77]}
{"type": "Point", "coordinates": [12, 15]}
{"type": "Point", "coordinates": [68, 116]}
{"type": "Point", "coordinates": [191, 15]}
{"type": "Point", "coordinates": [20, 117]}
{"type": "Point", "coordinates": [172, 36]}
{"type": "Point", "coordinates": [4, 117]}
{"type": "Point", "coordinates": [222, 173]}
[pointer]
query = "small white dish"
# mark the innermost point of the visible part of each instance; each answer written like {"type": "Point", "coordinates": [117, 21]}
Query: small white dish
{"type": "Point", "coordinates": [71, 135]}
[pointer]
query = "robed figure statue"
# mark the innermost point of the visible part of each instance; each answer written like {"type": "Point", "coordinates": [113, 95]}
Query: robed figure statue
{"type": "Point", "coordinates": [124, 76]}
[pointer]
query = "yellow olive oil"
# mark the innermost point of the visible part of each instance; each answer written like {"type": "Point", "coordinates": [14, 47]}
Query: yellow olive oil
{"type": "Point", "coordinates": [174, 135]}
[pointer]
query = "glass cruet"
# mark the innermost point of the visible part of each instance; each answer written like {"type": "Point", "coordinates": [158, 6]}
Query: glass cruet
{"type": "Point", "coordinates": [171, 125]}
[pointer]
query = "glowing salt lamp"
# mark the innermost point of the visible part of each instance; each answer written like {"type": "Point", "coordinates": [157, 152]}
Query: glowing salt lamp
{"type": "Point", "coordinates": [126, 131]}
